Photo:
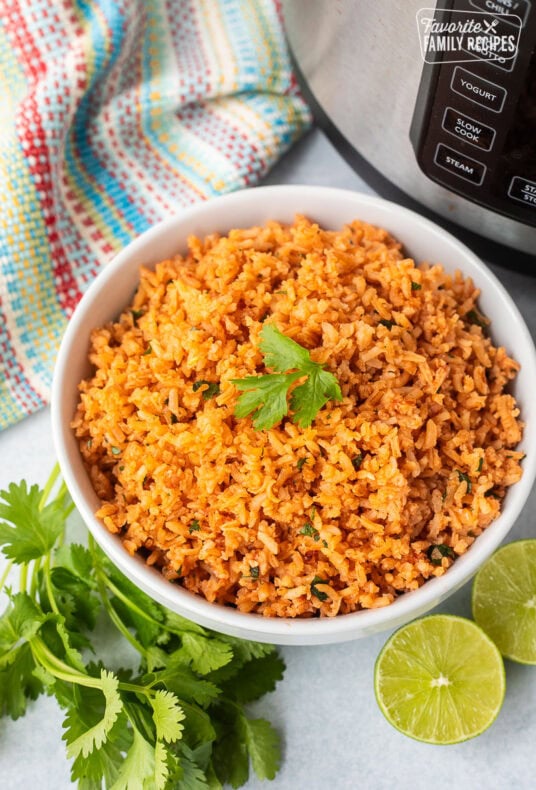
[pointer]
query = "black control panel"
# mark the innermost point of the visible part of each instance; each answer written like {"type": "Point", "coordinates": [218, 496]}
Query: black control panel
{"type": "Point", "coordinates": [474, 126]}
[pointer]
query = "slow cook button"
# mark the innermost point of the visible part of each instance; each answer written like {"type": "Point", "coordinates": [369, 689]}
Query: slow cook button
{"type": "Point", "coordinates": [478, 90]}
{"type": "Point", "coordinates": [467, 129]}
{"type": "Point", "coordinates": [459, 164]}
{"type": "Point", "coordinates": [523, 190]}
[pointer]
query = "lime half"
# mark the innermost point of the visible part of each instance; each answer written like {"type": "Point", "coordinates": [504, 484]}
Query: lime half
{"type": "Point", "coordinates": [504, 600]}
{"type": "Point", "coordinates": [440, 679]}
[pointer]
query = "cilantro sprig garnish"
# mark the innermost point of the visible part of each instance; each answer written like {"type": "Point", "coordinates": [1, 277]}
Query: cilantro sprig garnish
{"type": "Point", "coordinates": [176, 722]}
{"type": "Point", "coordinates": [266, 396]}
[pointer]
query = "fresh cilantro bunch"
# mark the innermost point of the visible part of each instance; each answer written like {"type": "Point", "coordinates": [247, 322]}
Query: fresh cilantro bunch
{"type": "Point", "coordinates": [179, 721]}
{"type": "Point", "coordinates": [266, 396]}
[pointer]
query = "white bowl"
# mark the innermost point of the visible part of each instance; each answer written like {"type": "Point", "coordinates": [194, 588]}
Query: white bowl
{"type": "Point", "coordinates": [332, 208]}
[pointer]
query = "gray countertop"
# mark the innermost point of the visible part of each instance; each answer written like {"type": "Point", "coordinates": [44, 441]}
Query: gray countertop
{"type": "Point", "coordinates": [333, 732]}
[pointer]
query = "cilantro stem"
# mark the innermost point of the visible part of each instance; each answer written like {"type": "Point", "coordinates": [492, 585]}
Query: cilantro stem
{"type": "Point", "coordinates": [67, 512]}
{"type": "Point", "coordinates": [62, 671]}
{"type": "Point", "coordinates": [5, 574]}
{"type": "Point", "coordinates": [49, 485]}
{"type": "Point", "coordinates": [114, 617]}
{"type": "Point", "coordinates": [23, 577]}
{"type": "Point", "coordinates": [102, 583]}
{"type": "Point", "coordinates": [48, 585]}
{"type": "Point", "coordinates": [122, 597]}
{"type": "Point", "coordinates": [35, 572]}
{"type": "Point", "coordinates": [59, 668]}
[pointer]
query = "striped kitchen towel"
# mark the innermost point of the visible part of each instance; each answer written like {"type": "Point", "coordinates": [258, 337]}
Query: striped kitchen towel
{"type": "Point", "coordinates": [113, 115]}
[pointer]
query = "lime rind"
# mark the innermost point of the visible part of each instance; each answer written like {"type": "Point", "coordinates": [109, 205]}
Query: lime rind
{"type": "Point", "coordinates": [428, 649]}
{"type": "Point", "coordinates": [504, 600]}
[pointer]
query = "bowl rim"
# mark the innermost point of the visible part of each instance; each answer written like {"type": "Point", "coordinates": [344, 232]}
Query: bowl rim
{"type": "Point", "coordinates": [257, 626]}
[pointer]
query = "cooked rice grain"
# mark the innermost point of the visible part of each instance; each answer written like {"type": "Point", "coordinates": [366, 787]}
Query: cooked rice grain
{"type": "Point", "coordinates": [296, 522]}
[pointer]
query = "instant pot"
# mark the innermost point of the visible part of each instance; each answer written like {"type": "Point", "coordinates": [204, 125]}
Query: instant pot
{"type": "Point", "coordinates": [433, 105]}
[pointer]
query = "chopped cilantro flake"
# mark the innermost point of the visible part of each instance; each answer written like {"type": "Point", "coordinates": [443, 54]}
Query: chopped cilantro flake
{"type": "Point", "coordinates": [492, 493]}
{"type": "Point", "coordinates": [300, 464]}
{"type": "Point", "coordinates": [437, 552]}
{"type": "Point", "coordinates": [465, 478]}
{"type": "Point", "coordinates": [387, 323]}
{"type": "Point", "coordinates": [475, 318]}
{"type": "Point", "coordinates": [194, 526]}
{"type": "Point", "coordinates": [322, 596]}
{"type": "Point", "coordinates": [212, 388]}
{"type": "Point", "coordinates": [357, 460]}
{"type": "Point", "coordinates": [415, 286]}
{"type": "Point", "coordinates": [310, 531]}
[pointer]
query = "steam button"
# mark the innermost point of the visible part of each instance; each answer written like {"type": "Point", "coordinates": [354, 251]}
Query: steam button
{"type": "Point", "coordinates": [459, 165]}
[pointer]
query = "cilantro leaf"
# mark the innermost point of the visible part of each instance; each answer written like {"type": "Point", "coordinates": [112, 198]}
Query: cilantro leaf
{"type": "Point", "coordinates": [141, 766]}
{"type": "Point", "coordinates": [74, 582]}
{"type": "Point", "coordinates": [21, 620]}
{"type": "Point", "coordinates": [245, 650]}
{"type": "Point", "coordinates": [178, 625]}
{"type": "Point", "coordinates": [76, 598]}
{"type": "Point", "coordinates": [281, 352]}
{"type": "Point", "coordinates": [206, 654]}
{"type": "Point", "coordinates": [18, 683]}
{"type": "Point", "coordinates": [262, 743]}
{"type": "Point", "coordinates": [257, 677]}
{"type": "Point", "coordinates": [192, 775]}
{"type": "Point", "coordinates": [77, 559]}
{"type": "Point", "coordinates": [266, 396]}
{"type": "Point", "coordinates": [308, 398]}
{"type": "Point", "coordinates": [185, 684]}
{"type": "Point", "coordinates": [167, 716]}
{"type": "Point", "coordinates": [230, 758]}
{"type": "Point", "coordinates": [85, 741]}
{"type": "Point", "coordinates": [198, 726]}
{"type": "Point", "coordinates": [33, 530]}
{"type": "Point", "coordinates": [104, 762]}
